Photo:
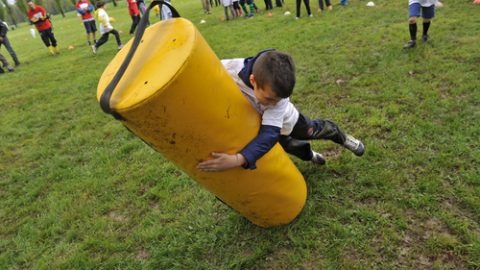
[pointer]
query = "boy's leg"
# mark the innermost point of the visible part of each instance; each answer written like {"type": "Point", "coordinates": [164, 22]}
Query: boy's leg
{"type": "Point", "coordinates": [427, 13]}
{"type": "Point", "coordinates": [117, 38]}
{"type": "Point", "coordinates": [101, 41]}
{"type": "Point", "coordinates": [135, 20]}
{"type": "Point", "coordinates": [414, 13]}
{"type": "Point", "coordinates": [301, 149]}
{"type": "Point", "coordinates": [45, 39]}
{"type": "Point", "coordinates": [307, 129]}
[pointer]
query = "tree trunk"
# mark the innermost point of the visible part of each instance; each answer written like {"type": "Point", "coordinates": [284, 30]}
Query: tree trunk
{"type": "Point", "coordinates": [10, 13]}
{"type": "Point", "coordinates": [59, 5]}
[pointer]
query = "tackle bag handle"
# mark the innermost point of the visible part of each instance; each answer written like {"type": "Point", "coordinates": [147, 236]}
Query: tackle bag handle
{"type": "Point", "coordinates": [107, 94]}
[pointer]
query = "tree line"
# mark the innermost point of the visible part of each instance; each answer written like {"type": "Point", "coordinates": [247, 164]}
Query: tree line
{"type": "Point", "coordinates": [16, 13]}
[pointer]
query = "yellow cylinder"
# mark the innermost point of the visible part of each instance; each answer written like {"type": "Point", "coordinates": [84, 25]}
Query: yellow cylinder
{"type": "Point", "coordinates": [177, 97]}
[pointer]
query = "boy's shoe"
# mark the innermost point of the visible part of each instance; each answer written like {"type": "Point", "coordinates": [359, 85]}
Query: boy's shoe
{"type": "Point", "coordinates": [330, 8]}
{"type": "Point", "coordinates": [94, 49]}
{"type": "Point", "coordinates": [311, 15]}
{"type": "Point", "coordinates": [409, 45]}
{"type": "Point", "coordinates": [425, 38]}
{"type": "Point", "coordinates": [120, 46]}
{"type": "Point", "coordinates": [354, 145]}
{"type": "Point", "coordinates": [55, 50]}
{"type": "Point", "coordinates": [10, 69]}
{"type": "Point", "coordinates": [318, 158]}
{"type": "Point", "coordinates": [51, 50]}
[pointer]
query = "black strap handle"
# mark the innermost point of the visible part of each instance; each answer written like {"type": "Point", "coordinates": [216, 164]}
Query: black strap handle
{"type": "Point", "coordinates": [107, 94]}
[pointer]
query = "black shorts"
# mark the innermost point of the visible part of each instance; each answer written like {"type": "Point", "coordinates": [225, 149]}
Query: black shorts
{"type": "Point", "coordinates": [90, 26]}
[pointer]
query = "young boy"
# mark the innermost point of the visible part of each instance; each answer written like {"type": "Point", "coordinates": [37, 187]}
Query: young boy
{"type": "Point", "coordinates": [85, 9]}
{"type": "Point", "coordinates": [416, 7]}
{"type": "Point", "coordinates": [38, 16]}
{"type": "Point", "coordinates": [267, 81]}
{"type": "Point", "coordinates": [105, 27]}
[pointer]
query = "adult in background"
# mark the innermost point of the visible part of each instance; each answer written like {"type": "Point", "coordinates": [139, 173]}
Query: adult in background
{"type": "Point", "coordinates": [327, 3]}
{"type": "Point", "coordinates": [134, 14]}
{"type": "Point", "coordinates": [39, 17]}
{"type": "Point", "coordinates": [4, 41]}
{"type": "Point", "coordinates": [85, 9]}
{"type": "Point", "coordinates": [425, 8]}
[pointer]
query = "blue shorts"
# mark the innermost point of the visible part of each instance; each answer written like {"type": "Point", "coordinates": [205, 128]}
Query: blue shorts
{"type": "Point", "coordinates": [90, 26]}
{"type": "Point", "coordinates": [415, 9]}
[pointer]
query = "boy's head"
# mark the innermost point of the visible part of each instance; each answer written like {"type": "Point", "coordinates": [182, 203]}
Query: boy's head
{"type": "Point", "coordinates": [31, 4]}
{"type": "Point", "coordinates": [274, 71]}
{"type": "Point", "coordinates": [100, 4]}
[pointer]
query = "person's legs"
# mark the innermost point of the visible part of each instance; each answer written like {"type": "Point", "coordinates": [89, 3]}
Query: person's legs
{"type": "Point", "coordinates": [45, 39]}
{"type": "Point", "coordinates": [135, 20]}
{"type": "Point", "coordinates": [10, 50]}
{"type": "Point", "coordinates": [307, 6]}
{"type": "Point", "coordinates": [298, 3]}
{"type": "Point", "coordinates": [307, 129]}
{"type": "Point", "coordinates": [101, 41]}
{"type": "Point", "coordinates": [427, 13]}
{"type": "Point", "coordinates": [5, 63]}
{"type": "Point", "coordinates": [117, 38]}
{"type": "Point", "coordinates": [225, 9]}
{"type": "Point", "coordinates": [414, 13]}
{"type": "Point", "coordinates": [320, 4]}
{"type": "Point", "coordinates": [301, 149]}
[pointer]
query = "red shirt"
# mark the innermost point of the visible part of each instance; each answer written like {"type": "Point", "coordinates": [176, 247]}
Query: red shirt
{"type": "Point", "coordinates": [133, 8]}
{"type": "Point", "coordinates": [84, 8]}
{"type": "Point", "coordinates": [38, 13]}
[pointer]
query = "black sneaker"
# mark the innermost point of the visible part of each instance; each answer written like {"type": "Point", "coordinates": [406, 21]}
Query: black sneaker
{"type": "Point", "coordinates": [318, 158]}
{"type": "Point", "coordinates": [409, 45]}
{"type": "Point", "coordinates": [425, 38]}
{"type": "Point", "coordinates": [354, 145]}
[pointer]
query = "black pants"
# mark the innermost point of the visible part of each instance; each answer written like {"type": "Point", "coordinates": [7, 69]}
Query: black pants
{"type": "Point", "coordinates": [307, 5]}
{"type": "Point", "coordinates": [306, 129]}
{"type": "Point", "coordinates": [268, 4]}
{"type": "Point", "coordinates": [135, 21]}
{"type": "Point", "coordinates": [10, 50]}
{"type": "Point", "coordinates": [104, 38]}
{"type": "Point", "coordinates": [47, 37]}
{"type": "Point", "coordinates": [320, 3]}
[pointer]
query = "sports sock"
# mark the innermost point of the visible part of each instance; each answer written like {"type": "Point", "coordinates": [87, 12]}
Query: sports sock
{"type": "Point", "coordinates": [413, 31]}
{"type": "Point", "coordinates": [426, 25]}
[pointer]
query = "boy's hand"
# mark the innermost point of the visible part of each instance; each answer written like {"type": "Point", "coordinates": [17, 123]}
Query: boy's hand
{"type": "Point", "coordinates": [221, 162]}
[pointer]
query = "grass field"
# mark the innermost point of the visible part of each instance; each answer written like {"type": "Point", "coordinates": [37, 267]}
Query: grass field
{"type": "Point", "coordinates": [77, 191]}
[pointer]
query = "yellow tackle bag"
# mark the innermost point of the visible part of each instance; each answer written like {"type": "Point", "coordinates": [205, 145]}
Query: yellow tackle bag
{"type": "Point", "coordinates": [169, 88]}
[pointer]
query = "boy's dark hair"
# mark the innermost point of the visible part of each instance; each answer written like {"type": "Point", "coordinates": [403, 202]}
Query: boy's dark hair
{"type": "Point", "coordinates": [99, 4]}
{"type": "Point", "coordinates": [277, 70]}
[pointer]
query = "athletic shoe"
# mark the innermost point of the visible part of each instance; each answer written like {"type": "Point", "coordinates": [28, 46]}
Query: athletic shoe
{"type": "Point", "coordinates": [425, 38]}
{"type": "Point", "coordinates": [318, 158]}
{"type": "Point", "coordinates": [311, 15]}
{"type": "Point", "coordinates": [120, 46]}
{"type": "Point", "coordinates": [409, 45]}
{"type": "Point", "coordinates": [94, 49]}
{"type": "Point", "coordinates": [10, 69]}
{"type": "Point", "coordinates": [354, 145]}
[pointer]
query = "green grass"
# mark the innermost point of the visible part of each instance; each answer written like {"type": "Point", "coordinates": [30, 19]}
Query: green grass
{"type": "Point", "coordinates": [78, 191]}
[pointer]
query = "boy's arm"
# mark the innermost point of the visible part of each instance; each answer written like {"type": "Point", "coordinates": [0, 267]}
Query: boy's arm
{"type": "Point", "coordinates": [267, 137]}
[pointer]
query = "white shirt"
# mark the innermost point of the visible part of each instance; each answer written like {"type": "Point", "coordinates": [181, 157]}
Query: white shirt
{"type": "Point", "coordinates": [283, 114]}
{"type": "Point", "coordinates": [104, 21]}
{"type": "Point", "coordinates": [423, 3]}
